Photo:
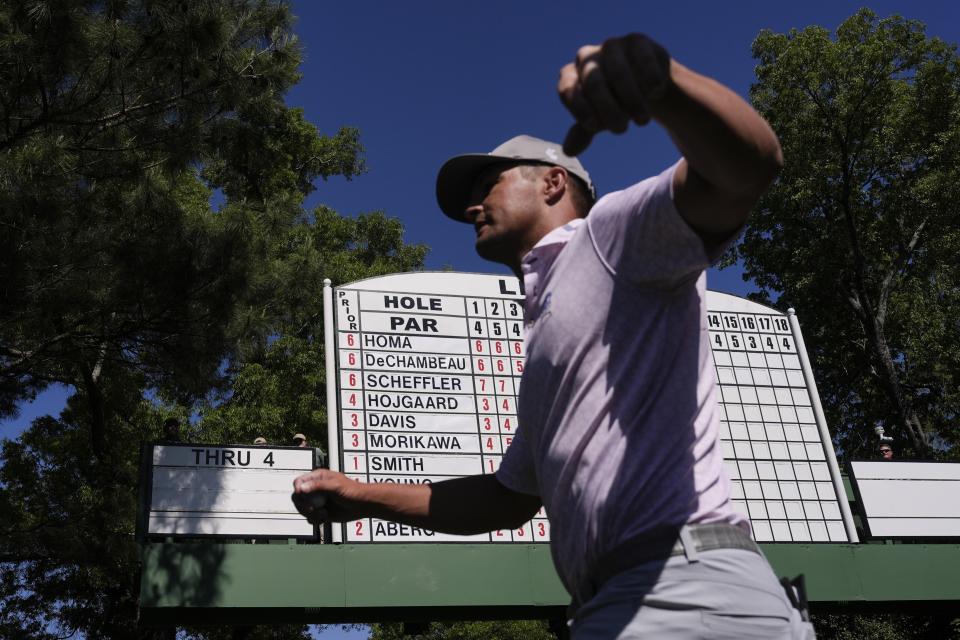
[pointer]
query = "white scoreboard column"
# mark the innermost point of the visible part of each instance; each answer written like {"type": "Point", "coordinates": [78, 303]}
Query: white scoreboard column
{"type": "Point", "coordinates": [776, 446]}
{"type": "Point", "coordinates": [428, 371]}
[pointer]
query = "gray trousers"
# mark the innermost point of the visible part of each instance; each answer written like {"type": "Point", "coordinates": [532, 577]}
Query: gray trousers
{"type": "Point", "coordinates": [724, 593]}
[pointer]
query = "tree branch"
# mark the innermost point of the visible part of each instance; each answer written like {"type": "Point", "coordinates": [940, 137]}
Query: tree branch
{"type": "Point", "coordinates": [24, 356]}
{"type": "Point", "coordinates": [886, 286]}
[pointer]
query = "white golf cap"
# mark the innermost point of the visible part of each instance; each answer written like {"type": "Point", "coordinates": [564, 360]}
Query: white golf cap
{"type": "Point", "coordinates": [457, 175]}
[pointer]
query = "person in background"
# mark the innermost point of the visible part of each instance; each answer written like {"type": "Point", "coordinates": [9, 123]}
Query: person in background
{"type": "Point", "coordinates": [171, 431]}
{"type": "Point", "coordinates": [259, 440]}
{"type": "Point", "coordinates": [886, 451]}
{"type": "Point", "coordinates": [300, 440]}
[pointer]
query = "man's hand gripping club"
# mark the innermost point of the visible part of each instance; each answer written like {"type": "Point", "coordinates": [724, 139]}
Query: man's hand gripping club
{"type": "Point", "coordinates": [325, 496]}
{"type": "Point", "coordinates": [730, 154]}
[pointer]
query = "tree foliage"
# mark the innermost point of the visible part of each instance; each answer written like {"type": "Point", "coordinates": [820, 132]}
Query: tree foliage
{"type": "Point", "coordinates": [886, 626]}
{"type": "Point", "coordinates": [479, 630]}
{"type": "Point", "coordinates": [118, 121]}
{"type": "Point", "coordinates": [156, 258]}
{"type": "Point", "coordinates": [279, 386]}
{"type": "Point", "coordinates": [68, 557]}
{"type": "Point", "coordinates": [68, 560]}
{"type": "Point", "coordinates": [860, 233]}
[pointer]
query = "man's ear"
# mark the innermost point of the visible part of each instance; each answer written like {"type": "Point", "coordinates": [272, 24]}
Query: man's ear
{"type": "Point", "coordinates": [554, 184]}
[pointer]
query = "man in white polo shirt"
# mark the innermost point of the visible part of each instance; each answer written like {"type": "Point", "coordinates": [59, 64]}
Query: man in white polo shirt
{"type": "Point", "coordinates": [618, 418]}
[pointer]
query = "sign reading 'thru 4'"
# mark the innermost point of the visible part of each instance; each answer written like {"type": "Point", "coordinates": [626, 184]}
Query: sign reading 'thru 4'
{"type": "Point", "coordinates": [237, 491]}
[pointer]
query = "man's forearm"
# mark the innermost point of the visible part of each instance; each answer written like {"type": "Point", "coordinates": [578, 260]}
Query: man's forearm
{"type": "Point", "coordinates": [406, 503]}
{"type": "Point", "coordinates": [462, 506]}
{"type": "Point", "coordinates": [721, 136]}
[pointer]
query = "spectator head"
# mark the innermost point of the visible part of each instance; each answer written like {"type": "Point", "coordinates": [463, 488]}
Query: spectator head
{"type": "Point", "coordinates": [259, 440]}
{"type": "Point", "coordinates": [886, 451]}
{"type": "Point", "coordinates": [171, 428]}
{"type": "Point", "coordinates": [299, 440]}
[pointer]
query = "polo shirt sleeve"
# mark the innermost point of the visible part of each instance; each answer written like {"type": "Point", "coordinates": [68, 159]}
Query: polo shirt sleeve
{"type": "Point", "coordinates": [516, 470]}
{"type": "Point", "coordinates": [640, 236]}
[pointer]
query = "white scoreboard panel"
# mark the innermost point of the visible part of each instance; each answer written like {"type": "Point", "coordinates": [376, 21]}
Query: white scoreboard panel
{"type": "Point", "coordinates": [908, 499]}
{"type": "Point", "coordinates": [776, 446]}
{"type": "Point", "coordinates": [428, 368]}
{"type": "Point", "coordinates": [223, 490]}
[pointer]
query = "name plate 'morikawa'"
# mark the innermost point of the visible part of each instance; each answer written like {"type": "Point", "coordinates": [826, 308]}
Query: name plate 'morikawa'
{"type": "Point", "coordinates": [426, 377]}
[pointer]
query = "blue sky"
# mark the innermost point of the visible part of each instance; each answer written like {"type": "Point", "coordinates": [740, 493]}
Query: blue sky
{"type": "Point", "coordinates": [427, 80]}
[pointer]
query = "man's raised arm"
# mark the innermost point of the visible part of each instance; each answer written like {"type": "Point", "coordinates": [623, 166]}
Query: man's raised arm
{"type": "Point", "coordinates": [463, 506]}
{"type": "Point", "coordinates": [731, 155]}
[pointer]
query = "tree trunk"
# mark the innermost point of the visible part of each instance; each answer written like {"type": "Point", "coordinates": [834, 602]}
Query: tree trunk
{"type": "Point", "coordinates": [879, 348]}
{"type": "Point", "coordinates": [98, 418]}
{"type": "Point", "coordinates": [890, 380]}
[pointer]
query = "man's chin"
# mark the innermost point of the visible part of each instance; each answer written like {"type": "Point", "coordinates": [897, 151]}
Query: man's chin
{"type": "Point", "coordinates": [499, 253]}
{"type": "Point", "coordinates": [488, 250]}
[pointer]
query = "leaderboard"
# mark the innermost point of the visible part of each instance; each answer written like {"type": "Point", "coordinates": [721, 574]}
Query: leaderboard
{"type": "Point", "coordinates": [428, 371]}
{"type": "Point", "coordinates": [429, 368]}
